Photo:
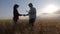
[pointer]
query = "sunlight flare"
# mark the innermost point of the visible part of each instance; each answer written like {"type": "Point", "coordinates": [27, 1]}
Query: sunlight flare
{"type": "Point", "coordinates": [50, 9]}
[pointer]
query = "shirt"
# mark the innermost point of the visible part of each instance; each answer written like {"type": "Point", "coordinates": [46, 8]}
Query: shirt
{"type": "Point", "coordinates": [32, 13]}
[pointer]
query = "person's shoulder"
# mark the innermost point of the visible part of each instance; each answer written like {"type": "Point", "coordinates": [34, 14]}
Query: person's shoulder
{"type": "Point", "coordinates": [34, 8]}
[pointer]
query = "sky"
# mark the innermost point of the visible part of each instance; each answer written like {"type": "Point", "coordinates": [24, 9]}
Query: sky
{"type": "Point", "coordinates": [6, 6]}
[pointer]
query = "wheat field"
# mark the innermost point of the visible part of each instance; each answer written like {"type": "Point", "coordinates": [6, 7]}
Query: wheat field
{"type": "Point", "coordinates": [22, 27]}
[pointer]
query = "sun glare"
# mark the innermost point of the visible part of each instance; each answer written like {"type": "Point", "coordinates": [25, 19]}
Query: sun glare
{"type": "Point", "coordinates": [50, 9]}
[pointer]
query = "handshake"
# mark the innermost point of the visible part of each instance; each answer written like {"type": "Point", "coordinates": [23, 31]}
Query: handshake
{"type": "Point", "coordinates": [23, 14]}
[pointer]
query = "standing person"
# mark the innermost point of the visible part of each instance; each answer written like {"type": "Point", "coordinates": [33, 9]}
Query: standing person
{"type": "Point", "coordinates": [15, 13]}
{"type": "Point", "coordinates": [15, 17]}
{"type": "Point", "coordinates": [32, 17]}
{"type": "Point", "coordinates": [32, 14]}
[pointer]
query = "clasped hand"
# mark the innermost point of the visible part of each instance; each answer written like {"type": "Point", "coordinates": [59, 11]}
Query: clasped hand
{"type": "Point", "coordinates": [22, 15]}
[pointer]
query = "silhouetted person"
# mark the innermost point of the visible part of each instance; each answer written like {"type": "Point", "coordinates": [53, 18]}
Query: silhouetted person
{"type": "Point", "coordinates": [15, 16]}
{"type": "Point", "coordinates": [15, 13]}
{"type": "Point", "coordinates": [32, 14]}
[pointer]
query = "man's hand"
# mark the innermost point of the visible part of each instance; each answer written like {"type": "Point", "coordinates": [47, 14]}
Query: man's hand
{"type": "Point", "coordinates": [24, 15]}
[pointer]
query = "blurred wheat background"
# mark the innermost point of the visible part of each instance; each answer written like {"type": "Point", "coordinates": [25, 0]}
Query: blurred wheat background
{"type": "Point", "coordinates": [22, 27]}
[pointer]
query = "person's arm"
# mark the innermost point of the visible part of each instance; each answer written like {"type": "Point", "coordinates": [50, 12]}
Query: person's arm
{"type": "Point", "coordinates": [25, 14]}
{"type": "Point", "coordinates": [20, 14]}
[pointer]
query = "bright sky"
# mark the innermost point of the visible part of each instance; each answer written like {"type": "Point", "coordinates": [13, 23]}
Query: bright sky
{"type": "Point", "coordinates": [6, 6]}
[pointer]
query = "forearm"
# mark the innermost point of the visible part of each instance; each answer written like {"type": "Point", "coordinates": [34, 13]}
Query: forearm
{"type": "Point", "coordinates": [20, 14]}
{"type": "Point", "coordinates": [27, 14]}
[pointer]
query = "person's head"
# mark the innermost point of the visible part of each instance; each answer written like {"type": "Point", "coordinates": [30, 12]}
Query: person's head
{"type": "Point", "coordinates": [30, 5]}
{"type": "Point", "coordinates": [16, 6]}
